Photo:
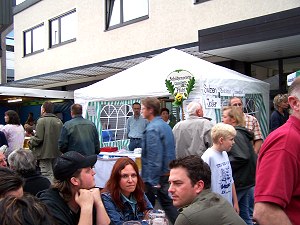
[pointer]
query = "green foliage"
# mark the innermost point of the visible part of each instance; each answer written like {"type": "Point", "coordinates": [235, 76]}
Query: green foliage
{"type": "Point", "coordinates": [170, 86]}
{"type": "Point", "coordinates": [191, 85]}
{"type": "Point", "coordinates": [177, 104]}
{"type": "Point", "coordinates": [179, 70]}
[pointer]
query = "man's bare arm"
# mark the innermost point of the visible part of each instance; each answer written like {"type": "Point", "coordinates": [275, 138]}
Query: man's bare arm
{"type": "Point", "coordinates": [268, 213]}
{"type": "Point", "coordinates": [257, 145]}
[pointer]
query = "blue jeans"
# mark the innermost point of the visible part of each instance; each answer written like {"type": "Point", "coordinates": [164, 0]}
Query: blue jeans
{"type": "Point", "coordinates": [135, 143]}
{"type": "Point", "coordinates": [251, 202]}
{"type": "Point", "coordinates": [163, 197]}
{"type": "Point", "coordinates": [243, 198]}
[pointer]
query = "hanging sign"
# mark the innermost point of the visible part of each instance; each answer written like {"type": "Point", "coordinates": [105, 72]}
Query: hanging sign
{"type": "Point", "coordinates": [212, 102]}
{"type": "Point", "coordinates": [91, 110]}
{"type": "Point", "coordinates": [180, 83]}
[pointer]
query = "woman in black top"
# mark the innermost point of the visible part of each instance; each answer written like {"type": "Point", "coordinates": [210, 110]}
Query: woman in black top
{"type": "Point", "coordinates": [280, 115]}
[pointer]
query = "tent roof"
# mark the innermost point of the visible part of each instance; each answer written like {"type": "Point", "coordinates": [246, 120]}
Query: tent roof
{"type": "Point", "coordinates": [147, 79]}
{"type": "Point", "coordinates": [30, 93]}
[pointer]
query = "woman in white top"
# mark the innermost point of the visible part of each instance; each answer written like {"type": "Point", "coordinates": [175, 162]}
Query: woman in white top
{"type": "Point", "coordinates": [14, 131]}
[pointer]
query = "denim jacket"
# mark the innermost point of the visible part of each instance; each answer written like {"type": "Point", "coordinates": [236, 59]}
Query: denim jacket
{"type": "Point", "coordinates": [158, 150]}
{"type": "Point", "coordinates": [118, 216]}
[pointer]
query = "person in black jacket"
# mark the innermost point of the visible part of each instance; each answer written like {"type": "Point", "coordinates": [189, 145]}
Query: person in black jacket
{"type": "Point", "coordinates": [242, 158]}
{"type": "Point", "coordinates": [24, 163]}
{"type": "Point", "coordinates": [280, 115]}
{"type": "Point", "coordinates": [79, 134]}
{"type": "Point", "coordinates": [73, 198]}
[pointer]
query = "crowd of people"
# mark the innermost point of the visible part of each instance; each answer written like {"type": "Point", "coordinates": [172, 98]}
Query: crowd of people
{"type": "Point", "coordinates": [200, 173]}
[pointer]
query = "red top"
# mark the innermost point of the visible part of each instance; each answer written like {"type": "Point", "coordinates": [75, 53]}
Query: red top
{"type": "Point", "coordinates": [278, 169]}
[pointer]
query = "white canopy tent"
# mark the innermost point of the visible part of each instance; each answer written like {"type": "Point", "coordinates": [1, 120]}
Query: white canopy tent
{"type": "Point", "coordinates": [35, 93]}
{"type": "Point", "coordinates": [147, 79]}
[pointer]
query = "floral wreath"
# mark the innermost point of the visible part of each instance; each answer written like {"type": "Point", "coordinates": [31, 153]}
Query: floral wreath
{"type": "Point", "coordinates": [180, 97]}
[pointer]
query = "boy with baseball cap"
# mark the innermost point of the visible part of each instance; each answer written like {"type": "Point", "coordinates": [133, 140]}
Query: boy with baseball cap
{"type": "Point", "coordinates": [73, 198]}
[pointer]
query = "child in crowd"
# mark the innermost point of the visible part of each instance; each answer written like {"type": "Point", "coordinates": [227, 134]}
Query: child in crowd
{"type": "Point", "coordinates": [217, 159]}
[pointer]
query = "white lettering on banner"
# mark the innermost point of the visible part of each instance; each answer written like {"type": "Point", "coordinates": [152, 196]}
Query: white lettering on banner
{"type": "Point", "coordinates": [207, 89]}
{"type": "Point", "coordinates": [91, 110]}
{"type": "Point", "coordinates": [212, 103]}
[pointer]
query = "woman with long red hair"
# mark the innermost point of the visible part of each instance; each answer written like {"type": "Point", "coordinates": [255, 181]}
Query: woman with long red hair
{"type": "Point", "coordinates": [123, 196]}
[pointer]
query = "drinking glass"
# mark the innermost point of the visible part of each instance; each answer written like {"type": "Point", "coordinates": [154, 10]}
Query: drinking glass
{"type": "Point", "coordinates": [157, 217]}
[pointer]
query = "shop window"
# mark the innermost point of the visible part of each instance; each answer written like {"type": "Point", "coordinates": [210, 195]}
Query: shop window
{"type": "Point", "coordinates": [63, 29]}
{"type": "Point", "coordinates": [123, 12]}
{"type": "Point", "coordinates": [33, 40]}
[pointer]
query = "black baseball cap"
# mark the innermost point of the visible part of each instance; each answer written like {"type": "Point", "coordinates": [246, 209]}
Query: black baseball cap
{"type": "Point", "coordinates": [68, 163]}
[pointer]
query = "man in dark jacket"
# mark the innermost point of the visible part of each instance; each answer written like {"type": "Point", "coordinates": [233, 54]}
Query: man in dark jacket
{"type": "Point", "coordinates": [44, 144]}
{"type": "Point", "coordinates": [79, 134]}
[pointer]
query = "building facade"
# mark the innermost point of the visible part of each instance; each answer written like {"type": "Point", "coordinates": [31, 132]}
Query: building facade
{"type": "Point", "coordinates": [63, 44]}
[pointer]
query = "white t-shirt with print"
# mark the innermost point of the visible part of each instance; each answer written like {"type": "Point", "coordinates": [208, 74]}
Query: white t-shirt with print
{"type": "Point", "coordinates": [221, 172]}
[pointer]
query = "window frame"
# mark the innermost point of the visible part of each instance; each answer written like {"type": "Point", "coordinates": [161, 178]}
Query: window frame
{"type": "Point", "coordinates": [31, 41]}
{"type": "Point", "coordinates": [113, 118]}
{"type": "Point", "coordinates": [108, 13]}
{"type": "Point", "coordinates": [58, 18]}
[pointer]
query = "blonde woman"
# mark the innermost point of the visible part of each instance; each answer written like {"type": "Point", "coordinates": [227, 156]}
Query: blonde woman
{"type": "Point", "coordinates": [280, 114]}
{"type": "Point", "coordinates": [243, 161]}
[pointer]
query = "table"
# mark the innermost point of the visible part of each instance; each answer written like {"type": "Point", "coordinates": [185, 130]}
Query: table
{"type": "Point", "coordinates": [106, 161]}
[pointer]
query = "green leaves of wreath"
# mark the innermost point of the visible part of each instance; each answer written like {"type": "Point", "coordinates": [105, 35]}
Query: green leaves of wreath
{"type": "Point", "coordinates": [170, 86]}
{"type": "Point", "coordinates": [190, 86]}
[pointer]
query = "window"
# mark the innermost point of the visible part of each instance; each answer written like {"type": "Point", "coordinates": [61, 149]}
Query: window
{"type": "Point", "coordinates": [123, 12]}
{"type": "Point", "coordinates": [113, 119]}
{"type": "Point", "coordinates": [63, 29]}
{"type": "Point", "coordinates": [33, 40]}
